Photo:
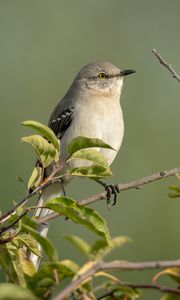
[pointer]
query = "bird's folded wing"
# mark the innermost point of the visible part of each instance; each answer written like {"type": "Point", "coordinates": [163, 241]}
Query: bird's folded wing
{"type": "Point", "coordinates": [62, 123]}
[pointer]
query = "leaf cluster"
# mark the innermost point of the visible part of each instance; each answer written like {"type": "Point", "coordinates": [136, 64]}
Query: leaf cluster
{"type": "Point", "coordinates": [19, 236]}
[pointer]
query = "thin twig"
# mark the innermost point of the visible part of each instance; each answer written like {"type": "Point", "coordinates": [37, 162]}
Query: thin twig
{"type": "Point", "coordinates": [114, 265]}
{"type": "Point", "coordinates": [23, 201]}
{"type": "Point", "coordinates": [166, 65]}
{"type": "Point", "coordinates": [8, 239]}
{"type": "Point", "coordinates": [49, 180]}
{"type": "Point", "coordinates": [160, 288]}
{"type": "Point", "coordinates": [48, 218]}
{"type": "Point", "coordinates": [5, 228]}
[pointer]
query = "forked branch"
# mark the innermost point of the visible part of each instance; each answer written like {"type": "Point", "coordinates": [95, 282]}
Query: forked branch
{"type": "Point", "coordinates": [166, 65]}
{"type": "Point", "coordinates": [114, 266]}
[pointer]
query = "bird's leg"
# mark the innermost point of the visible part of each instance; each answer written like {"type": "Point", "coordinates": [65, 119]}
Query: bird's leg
{"type": "Point", "coordinates": [111, 189]}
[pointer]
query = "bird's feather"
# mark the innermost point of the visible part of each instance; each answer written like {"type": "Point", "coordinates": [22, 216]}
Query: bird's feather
{"type": "Point", "coordinates": [62, 122]}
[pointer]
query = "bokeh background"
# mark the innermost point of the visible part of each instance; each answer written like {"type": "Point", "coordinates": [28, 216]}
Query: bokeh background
{"type": "Point", "coordinates": [43, 43]}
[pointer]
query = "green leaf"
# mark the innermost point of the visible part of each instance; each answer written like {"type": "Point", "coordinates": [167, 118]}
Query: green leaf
{"type": "Point", "coordinates": [46, 152]}
{"type": "Point", "coordinates": [45, 131]}
{"type": "Point", "coordinates": [91, 172]}
{"type": "Point", "coordinates": [175, 191]}
{"type": "Point", "coordinates": [29, 222]}
{"type": "Point", "coordinates": [174, 188]}
{"type": "Point", "coordinates": [35, 177]}
{"type": "Point", "coordinates": [45, 243]}
{"type": "Point", "coordinates": [25, 265]}
{"type": "Point", "coordinates": [81, 142]}
{"type": "Point", "coordinates": [9, 291]}
{"type": "Point", "coordinates": [170, 297]}
{"type": "Point", "coordinates": [100, 249]}
{"type": "Point", "coordinates": [6, 261]}
{"type": "Point", "coordinates": [68, 267]}
{"type": "Point", "coordinates": [127, 292]}
{"type": "Point", "coordinates": [30, 243]}
{"type": "Point", "coordinates": [15, 262]}
{"type": "Point", "coordinates": [174, 273]}
{"type": "Point", "coordinates": [92, 155]}
{"type": "Point", "coordinates": [80, 214]}
{"type": "Point", "coordinates": [173, 195]}
{"type": "Point", "coordinates": [49, 276]}
{"type": "Point", "coordinates": [80, 244]}
{"type": "Point", "coordinates": [21, 180]}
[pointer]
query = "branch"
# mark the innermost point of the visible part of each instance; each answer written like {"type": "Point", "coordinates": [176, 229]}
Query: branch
{"type": "Point", "coordinates": [8, 239]}
{"type": "Point", "coordinates": [133, 184]}
{"type": "Point", "coordinates": [166, 65]}
{"type": "Point", "coordinates": [24, 200]}
{"type": "Point", "coordinates": [114, 265]}
{"type": "Point", "coordinates": [101, 196]}
{"type": "Point", "coordinates": [136, 184]}
{"type": "Point", "coordinates": [5, 228]}
{"type": "Point", "coordinates": [160, 288]}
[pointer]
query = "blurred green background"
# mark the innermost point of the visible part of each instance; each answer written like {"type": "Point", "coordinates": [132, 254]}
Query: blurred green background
{"type": "Point", "coordinates": [43, 45]}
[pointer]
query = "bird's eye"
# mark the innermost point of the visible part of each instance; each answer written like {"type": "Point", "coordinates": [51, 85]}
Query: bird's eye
{"type": "Point", "coordinates": [103, 75]}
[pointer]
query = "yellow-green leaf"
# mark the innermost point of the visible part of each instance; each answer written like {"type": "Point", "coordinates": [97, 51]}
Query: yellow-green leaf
{"type": "Point", "coordinates": [26, 266]}
{"type": "Point", "coordinates": [9, 291]}
{"type": "Point", "coordinates": [30, 243]}
{"type": "Point", "coordinates": [80, 214]}
{"type": "Point", "coordinates": [92, 155]}
{"type": "Point", "coordinates": [45, 243]}
{"type": "Point", "coordinates": [46, 152]}
{"type": "Point", "coordinates": [7, 262]}
{"type": "Point", "coordinates": [48, 276]}
{"type": "Point", "coordinates": [15, 261]}
{"type": "Point", "coordinates": [91, 172]}
{"type": "Point", "coordinates": [88, 265]}
{"type": "Point", "coordinates": [35, 177]}
{"type": "Point", "coordinates": [170, 296]}
{"type": "Point", "coordinates": [100, 249]}
{"type": "Point", "coordinates": [45, 131]}
{"type": "Point", "coordinates": [79, 243]}
{"type": "Point", "coordinates": [126, 293]}
{"type": "Point", "coordinates": [174, 273]}
{"type": "Point", "coordinates": [175, 191]}
{"type": "Point", "coordinates": [81, 142]}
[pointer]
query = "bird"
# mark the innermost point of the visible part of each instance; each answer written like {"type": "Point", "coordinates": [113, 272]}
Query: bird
{"type": "Point", "coordinates": [90, 108]}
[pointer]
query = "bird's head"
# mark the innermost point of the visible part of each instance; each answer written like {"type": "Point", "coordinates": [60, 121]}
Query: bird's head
{"type": "Point", "coordinates": [102, 77]}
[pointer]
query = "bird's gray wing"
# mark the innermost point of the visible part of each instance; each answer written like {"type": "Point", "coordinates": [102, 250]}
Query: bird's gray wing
{"type": "Point", "coordinates": [60, 124]}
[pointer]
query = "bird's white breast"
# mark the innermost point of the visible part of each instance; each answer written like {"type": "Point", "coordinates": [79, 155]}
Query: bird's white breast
{"type": "Point", "coordinates": [97, 118]}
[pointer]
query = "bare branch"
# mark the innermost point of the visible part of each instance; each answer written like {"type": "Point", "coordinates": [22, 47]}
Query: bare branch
{"type": "Point", "coordinates": [48, 218]}
{"type": "Point", "coordinates": [5, 228]}
{"type": "Point", "coordinates": [166, 65]}
{"type": "Point", "coordinates": [114, 266]}
{"type": "Point", "coordinates": [160, 288]}
{"type": "Point", "coordinates": [24, 200]}
{"type": "Point", "coordinates": [134, 184]}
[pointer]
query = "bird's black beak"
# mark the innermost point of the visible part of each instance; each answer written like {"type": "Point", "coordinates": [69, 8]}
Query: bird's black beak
{"type": "Point", "coordinates": [126, 72]}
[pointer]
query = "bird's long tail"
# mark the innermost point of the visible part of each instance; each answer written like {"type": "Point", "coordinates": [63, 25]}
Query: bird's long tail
{"type": "Point", "coordinates": [51, 192]}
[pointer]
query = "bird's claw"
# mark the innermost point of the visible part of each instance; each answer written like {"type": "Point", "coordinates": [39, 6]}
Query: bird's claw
{"type": "Point", "coordinates": [111, 189]}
